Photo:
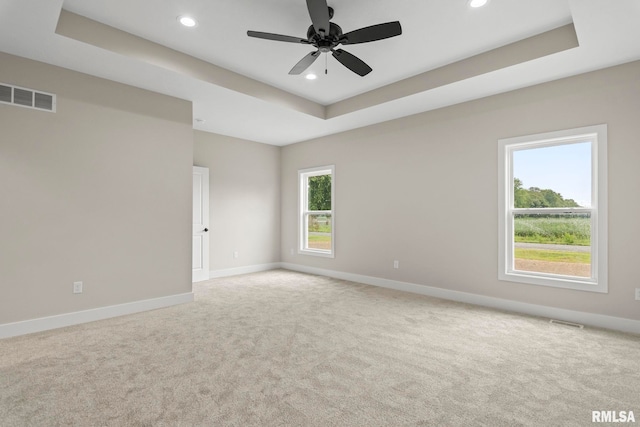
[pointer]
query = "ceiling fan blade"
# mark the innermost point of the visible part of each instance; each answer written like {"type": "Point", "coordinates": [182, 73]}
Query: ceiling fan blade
{"type": "Point", "coordinates": [352, 62]}
{"type": "Point", "coordinates": [372, 33]}
{"type": "Point", "coordinates": [305, 63]}
{"type": "Point", "coordinates": [277, 37]}
{"type": "Point", "coordinates": [319, 13]}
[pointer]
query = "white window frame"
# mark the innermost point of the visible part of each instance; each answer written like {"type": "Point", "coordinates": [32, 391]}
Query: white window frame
{"type": "Point", "coordinates": [597, 135]}
{"type": "Point", "coordinates": [303, 217]}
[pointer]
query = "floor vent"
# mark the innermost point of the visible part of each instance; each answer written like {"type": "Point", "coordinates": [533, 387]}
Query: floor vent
{"type": "Point", "coordinates": [28, 98]}
{"type": "Point", "coordinates": [563, 323]}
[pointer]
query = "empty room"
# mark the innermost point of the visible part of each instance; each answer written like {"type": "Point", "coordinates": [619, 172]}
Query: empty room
{"type": "Point", "coordinates": [319, 213]}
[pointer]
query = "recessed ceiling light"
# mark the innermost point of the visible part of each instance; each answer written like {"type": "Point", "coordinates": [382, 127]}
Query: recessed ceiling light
{"type": "Point", "coordinates": [187, 21]}
{"type": "Point", "coordinates": [311, 76]}
{"type": "Point", "coordinates": [477, 3]}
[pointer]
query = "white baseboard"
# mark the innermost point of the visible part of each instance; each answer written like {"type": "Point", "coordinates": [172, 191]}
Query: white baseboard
{"type": "Point", "coordinates": [68, 319]}
{"type": "Point", "coordinates": [46, 323]}
{"type": "Point", "coordinates": [214, 274]}
{"type": "Point", "coordinates": [597, 320]}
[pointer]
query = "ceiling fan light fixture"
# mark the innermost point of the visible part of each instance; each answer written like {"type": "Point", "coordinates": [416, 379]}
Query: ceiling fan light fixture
{"type": "Point", "coordinates": [477, 3]}
{"type": "Point", "coordinates": [310, 76]}
{"type": "Point", "coordinates": [187, 21]}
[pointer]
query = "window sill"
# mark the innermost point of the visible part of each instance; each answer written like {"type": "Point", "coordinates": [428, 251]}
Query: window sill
{"type": "Point", "coordinates": [554, 281]}
{"type": "Point", "coordinates": [319, 253]}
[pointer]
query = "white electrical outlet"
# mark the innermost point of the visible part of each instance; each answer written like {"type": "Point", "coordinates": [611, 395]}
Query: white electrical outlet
{"type": "Point", "coordinates": [77, 287]}
{"type": "Point", "coordinates": [396, 264]}
{"type": "Point", "coordinates": [638, 294]}
{"type": "Point", "coordinates": [235, 254]}
{"type": "Point", "coordinates": [291, 251]}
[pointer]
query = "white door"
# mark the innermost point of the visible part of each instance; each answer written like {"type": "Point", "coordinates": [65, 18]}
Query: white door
{"type": "Point", "coordinates": [200, 252]}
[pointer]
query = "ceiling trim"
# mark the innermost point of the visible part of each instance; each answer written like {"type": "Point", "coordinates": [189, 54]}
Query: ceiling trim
{"type": "Point", "coordinates": [88, 31]}
{"type": "Point", "coordinates": [529, 49]}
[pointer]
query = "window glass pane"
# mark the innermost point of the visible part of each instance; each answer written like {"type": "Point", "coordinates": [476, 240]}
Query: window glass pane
{"type": "Point", "coordinates": [319, 232]}
{"type": "Point", "coordinates": [319, 196]}
{"type": "Point", "coordinates": [554, 176]}
{"type": "Point", "coordinates": [555, 244]}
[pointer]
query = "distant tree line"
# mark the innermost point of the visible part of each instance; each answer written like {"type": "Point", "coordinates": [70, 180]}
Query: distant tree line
{"type": "Point", "coordinates": [535, 197]}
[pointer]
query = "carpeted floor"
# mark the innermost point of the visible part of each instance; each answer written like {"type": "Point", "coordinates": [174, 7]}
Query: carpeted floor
{"type": "Point", "coordinates": [287, 349]}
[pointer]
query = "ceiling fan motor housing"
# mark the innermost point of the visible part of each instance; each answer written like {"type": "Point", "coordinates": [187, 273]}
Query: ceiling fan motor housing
{"type": "Point", "coordinates": [329, 41]}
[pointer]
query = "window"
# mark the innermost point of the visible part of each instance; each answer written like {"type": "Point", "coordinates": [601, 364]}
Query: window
{"type": "Point", "coordinates": [553, 209]}
{"type": "Point", "coordinates": [316, 220]}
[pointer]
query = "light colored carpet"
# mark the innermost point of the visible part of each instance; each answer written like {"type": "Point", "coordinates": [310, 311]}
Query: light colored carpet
{"type": "Point", "coordinates": [287, 349]}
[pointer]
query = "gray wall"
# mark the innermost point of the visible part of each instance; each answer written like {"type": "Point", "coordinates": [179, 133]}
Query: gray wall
{"type": "Point", "coordinates": [244, 200]}
{"type": "Point", "coordinates": [423, 190]}
{"type": "Point", "coordinates": [98, 192]}
{"type": "Point", "coordinates": [101, 192]}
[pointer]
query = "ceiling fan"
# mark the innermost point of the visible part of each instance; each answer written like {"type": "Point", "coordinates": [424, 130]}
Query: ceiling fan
{"type": "Point", "coordinates": [325, 36]}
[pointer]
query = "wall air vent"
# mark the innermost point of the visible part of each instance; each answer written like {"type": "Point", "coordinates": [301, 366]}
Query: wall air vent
{"type": "Point", "coordinates": [5, 94]}
{"type": "Point", "coordinates": [28, 98]}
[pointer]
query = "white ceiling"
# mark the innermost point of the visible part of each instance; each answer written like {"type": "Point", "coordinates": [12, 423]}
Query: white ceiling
{"type": "Point", "coordinates": [435, 33]}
